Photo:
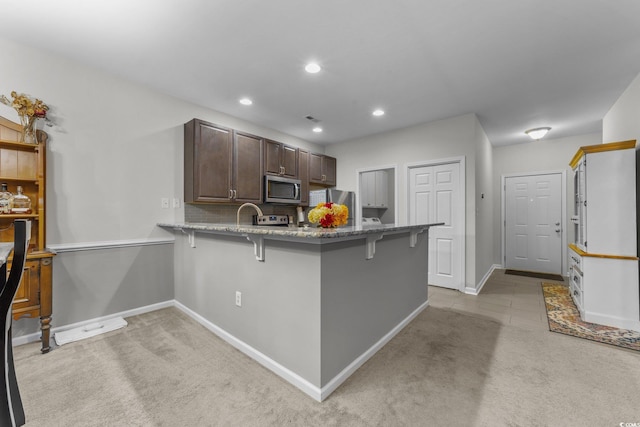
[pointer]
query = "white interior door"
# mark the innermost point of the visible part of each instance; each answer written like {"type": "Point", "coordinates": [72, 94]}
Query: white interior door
{"type": "Point", "coordinates": [435, 195]}
{"type": "Point", "coordinates": [533, 218]}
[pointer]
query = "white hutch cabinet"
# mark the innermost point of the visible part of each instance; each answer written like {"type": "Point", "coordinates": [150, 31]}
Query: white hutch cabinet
{"type": "Point", "coordinates": [603, 258]}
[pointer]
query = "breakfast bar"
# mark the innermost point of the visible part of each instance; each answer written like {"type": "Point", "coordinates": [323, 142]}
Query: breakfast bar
{"type": "Point", "coordinates": [310, 304]}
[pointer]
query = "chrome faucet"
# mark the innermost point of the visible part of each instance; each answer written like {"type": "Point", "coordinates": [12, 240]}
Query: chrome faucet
{"type": "Point", "coordinates": [242, 206]}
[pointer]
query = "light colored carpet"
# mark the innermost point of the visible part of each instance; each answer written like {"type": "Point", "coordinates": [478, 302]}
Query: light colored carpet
{"type": "Point", "coordinates": [444, 368]}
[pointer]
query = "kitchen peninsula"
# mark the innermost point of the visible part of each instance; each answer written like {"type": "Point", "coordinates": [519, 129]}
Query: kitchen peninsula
{"type": "Point", "coordinates": [310, 304]}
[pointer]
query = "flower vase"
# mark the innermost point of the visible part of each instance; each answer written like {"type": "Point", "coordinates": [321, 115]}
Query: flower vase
{"type": "Point", "coordinates": [28, 134]}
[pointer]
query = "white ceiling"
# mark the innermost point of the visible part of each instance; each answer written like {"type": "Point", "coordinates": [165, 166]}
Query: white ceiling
{"type": "Point", "coordinates": [517, 64]}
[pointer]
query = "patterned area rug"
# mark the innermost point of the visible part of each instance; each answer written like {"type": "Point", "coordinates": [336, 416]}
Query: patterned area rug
{"type": "Point", "coordinates": [564, 318]}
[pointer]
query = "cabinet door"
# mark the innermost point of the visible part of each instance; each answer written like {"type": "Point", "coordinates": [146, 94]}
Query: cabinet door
{"type": "Point", "coordinates": [290, 161]}
{"type": "Point", "coordinates": [381, 189]}
{"type": "Point", "coordinates": [248, 168]}
{"type": "Point", "coordinates": [280, 160]}
{"type": "Point", "coordinates": [315, 168]}
{"type": "Point", "coordinates": [322, 169]}
{"type": "Point", "coordinates": [28, 295]}
{"type": "Point", "coordinates": [273, 153]}
{"type": "Point", "coordinates": [329, 170]}
{"type": "Point", "coordinates": [368, 189]}
{"type": "Point", "coordinates": [303, 174]}
{"type": "Point", "coordinates": [208, 162]}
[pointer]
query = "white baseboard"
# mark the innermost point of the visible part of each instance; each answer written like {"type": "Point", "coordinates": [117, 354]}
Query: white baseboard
{"type": "Point", "coordinates": [296, 380]}
{"type": "Point", "coordinates": [359, 361]}
{"type": "Point", "coordinates": [29, 338]}
{"type": "Point", "coordinates": [256, 355]}
{"type": "Point", "coordinates": [478, 288]}
{"type": "Point", "coordinates": [608, 320]}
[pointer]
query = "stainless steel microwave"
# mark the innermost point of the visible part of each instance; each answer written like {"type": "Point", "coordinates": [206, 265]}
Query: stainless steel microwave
{"type": "Point", "coordinates": [281, 190]}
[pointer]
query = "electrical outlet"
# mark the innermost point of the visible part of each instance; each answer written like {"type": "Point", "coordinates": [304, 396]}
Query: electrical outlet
{"type": "Point", "coordinates": [176, 202]}
{"type": "Point", "coordinates": [164, 203]}
{"type": "Point", "coordinates": [239, 298]}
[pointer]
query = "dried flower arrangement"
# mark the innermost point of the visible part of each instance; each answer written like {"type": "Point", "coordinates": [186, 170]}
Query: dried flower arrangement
{"type": "Point", "coordinates": [29, 110]}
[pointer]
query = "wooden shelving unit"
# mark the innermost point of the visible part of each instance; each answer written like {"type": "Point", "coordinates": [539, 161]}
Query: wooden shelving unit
{"type": "Point", "coordinates": [25, 165]}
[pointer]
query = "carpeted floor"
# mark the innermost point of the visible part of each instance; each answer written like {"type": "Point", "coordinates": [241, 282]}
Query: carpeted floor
{"type": "Point", "coordinates": [564, 318]}
{"type": "Point", "coordinates": [444, 368]}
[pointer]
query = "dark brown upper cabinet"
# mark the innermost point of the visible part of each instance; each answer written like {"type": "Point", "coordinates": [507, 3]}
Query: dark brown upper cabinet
{"type": "Point", "coordinates": [221, 165]}
{"type": "Point", "coordinates": [322, 170]}
{"type": "Point", "coordinates": [280, 159]}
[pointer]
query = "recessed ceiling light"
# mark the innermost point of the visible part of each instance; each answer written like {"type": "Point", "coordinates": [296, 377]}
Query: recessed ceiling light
{"type": "Point", "coordinates": [312, 68]}
{"type": "Point", "coordinates": [246, 101]}
{"type": "Point", "coordinates": [317, 129]}
{"type": "Point", "coordinates": [378, 112]}
{"type": "Point", "coordinates": [537, 133]}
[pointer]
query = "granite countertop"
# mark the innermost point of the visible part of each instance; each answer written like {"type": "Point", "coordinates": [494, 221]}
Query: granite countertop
{"type": "Point", "coordinates": [310, 232]}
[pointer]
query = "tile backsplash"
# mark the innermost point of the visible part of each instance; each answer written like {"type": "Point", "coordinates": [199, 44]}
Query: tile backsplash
{"type": "Point", "coordinates": [226, 214]}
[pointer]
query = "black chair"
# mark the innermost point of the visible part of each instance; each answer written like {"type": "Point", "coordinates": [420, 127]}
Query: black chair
{"type": "Point", "coordinates": [11, 412]}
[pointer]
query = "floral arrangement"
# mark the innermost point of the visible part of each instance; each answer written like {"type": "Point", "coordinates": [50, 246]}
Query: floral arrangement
{"type": "Point", "coordinates": [329, 215]}
{"type": "Point", "coordinates": [29, 110]}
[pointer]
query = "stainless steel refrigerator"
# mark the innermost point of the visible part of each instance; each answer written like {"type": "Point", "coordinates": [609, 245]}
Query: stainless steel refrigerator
{"type": "Point", "coordinates": [347, 198]}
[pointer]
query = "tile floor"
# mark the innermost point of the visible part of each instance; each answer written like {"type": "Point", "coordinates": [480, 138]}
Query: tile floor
{"type": "Point", "coordinates": [512, 300]}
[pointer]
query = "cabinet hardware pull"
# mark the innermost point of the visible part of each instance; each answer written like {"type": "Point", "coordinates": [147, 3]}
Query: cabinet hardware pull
{"type": "Point", "coordinates": [230, 193]}
{"type": "Point", "coordinates": [235, 194]}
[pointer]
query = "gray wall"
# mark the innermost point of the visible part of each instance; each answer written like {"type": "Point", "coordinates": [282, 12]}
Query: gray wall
{"type": "Point", "coordinates": [312, 308]}
{"type": "Point", "coordinates": [95, 283]}
{"type": "Point", "coordinates": [485, 195]}
{"type": "Point", "coordinates": [362, 300]}
{"type": "Point", "coordinates": [286, 286]}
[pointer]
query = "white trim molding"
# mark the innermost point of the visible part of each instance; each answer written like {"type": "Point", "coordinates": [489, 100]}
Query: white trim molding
{"type": "Point", "coordinates": [29, 338]}
{"type": "Point", "coordinates": [360, 360]}
{"type": "Point", "coordinates": [111, 244]}
{"type": "Point", "coordinates": [294, 379]}
{"type": "Point", "coordinates": [476, 291]}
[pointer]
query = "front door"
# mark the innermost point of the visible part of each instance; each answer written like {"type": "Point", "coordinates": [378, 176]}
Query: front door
{"type": "Point", "coordinates": [533, 217]}
{"type": "Point", "coordinates": [436, 196]}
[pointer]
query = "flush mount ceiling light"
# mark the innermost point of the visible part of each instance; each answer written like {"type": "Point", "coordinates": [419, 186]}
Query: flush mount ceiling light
{"type": "Point", "coordinates": [317, 129]}
{"type": "Point", "coordinates": [246, 101]}
{"type": "Point", "coordinates": [312, 68]}
{"type": "Point", "coordinates": [378, 112]}
{"type": "Point", "coordinates": [537, 133]}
